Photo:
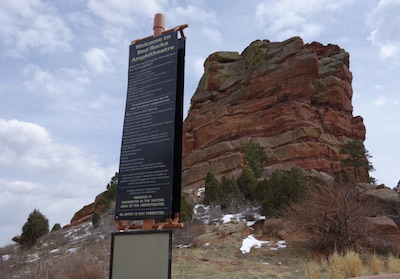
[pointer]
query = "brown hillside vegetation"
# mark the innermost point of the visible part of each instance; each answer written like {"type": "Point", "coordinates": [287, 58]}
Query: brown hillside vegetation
{"type": "Point", "coordinates": [84, 253]}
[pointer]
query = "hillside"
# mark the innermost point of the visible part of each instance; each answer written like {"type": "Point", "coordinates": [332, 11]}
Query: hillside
{"type": "Point", "coordinates": [223, 249]}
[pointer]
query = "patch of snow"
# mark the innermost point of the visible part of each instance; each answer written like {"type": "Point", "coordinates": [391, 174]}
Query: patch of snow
{"type": "Point", "coordinates": [32, 258]}
{"type": "Point", "coordinates": [72, 250]}
{"type": "Point", "coordinates": [232, 218]}
{"type": "Point", "coordinates": [250, 242]}
{"type": "Point", "coordinates": [54, 251]}
{"type": "Point", "coordinates": [207, 244]}
{"type": "Point", "coordinates": [181, 246]}
{"type": "Point", "coordinates": [278, 245]}
{"type": "Point", "coordinates": [200, 191]}
{"type": "Point", "coordinates": [265, 263]}
{"type": "Point", "coordinates": [6, 257]}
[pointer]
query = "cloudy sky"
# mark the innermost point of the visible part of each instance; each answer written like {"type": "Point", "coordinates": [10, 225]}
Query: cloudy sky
{"type": "Point", "coordinates": [63, 81]}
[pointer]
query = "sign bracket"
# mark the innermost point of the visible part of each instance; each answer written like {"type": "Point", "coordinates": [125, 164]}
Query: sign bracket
{"type": "Point", "coordinates": [179, 28]}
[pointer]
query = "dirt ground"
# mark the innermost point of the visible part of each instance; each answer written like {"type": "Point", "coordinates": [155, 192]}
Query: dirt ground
{"type": "Point", "coordinates": [223, 259]}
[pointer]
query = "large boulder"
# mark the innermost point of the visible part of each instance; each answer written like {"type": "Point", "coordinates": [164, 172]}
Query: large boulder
{"type": "Point", "coordinates": [384, 237]}
{"type": "Point", "coordinates": [294, 99]}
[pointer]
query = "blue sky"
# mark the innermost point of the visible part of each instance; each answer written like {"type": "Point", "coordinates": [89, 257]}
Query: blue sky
{"type": "Point", "coordinates": [63, 81]}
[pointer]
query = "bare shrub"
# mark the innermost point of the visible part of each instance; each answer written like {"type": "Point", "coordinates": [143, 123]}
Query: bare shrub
{"type": "Point", "coordinates": [55, 239]}
{"type": "Point", "coordinates": [83, 271]}
{"type": "Point", "coordinates": [273, 225]}
{"type": "Point", "coordinates": [334, 216]}
{"type": "Point", "coordinates": [215, 214]}
{"type": "Point", "coordinates": [40, 270]}
{"type": "Point", "coordinates": [189, 234]}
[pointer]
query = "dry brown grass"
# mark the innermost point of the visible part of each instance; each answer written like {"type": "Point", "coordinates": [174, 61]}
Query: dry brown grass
{"type": "Point", "coordinates": [55, 258]}
{"type": "Point", "coordinates": [353, 264]}
{"type": "Point", "coordinates": [312, 270]}
{"type": "Point", "coordinates": [393, 264]}
{"type": "Point", "coordinates": [376, 265]}
{"type": "Point", "coordinates": [336, 265]}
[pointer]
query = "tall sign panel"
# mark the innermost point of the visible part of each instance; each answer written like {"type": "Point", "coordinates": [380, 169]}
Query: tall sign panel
{"type": "Point", "coordinates": [151, 150]}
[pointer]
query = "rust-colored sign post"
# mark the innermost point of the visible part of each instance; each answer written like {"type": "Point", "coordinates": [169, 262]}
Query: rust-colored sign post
{"type": "Point", "coordinates": [159, 24]}
{"type": "Point", "coordinates": [158, 29]}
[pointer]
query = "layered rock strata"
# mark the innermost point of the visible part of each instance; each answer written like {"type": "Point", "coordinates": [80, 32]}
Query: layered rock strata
{"type": "Point", "coordinates": [294, 99]}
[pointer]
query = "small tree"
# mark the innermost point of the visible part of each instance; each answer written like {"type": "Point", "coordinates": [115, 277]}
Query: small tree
{"type": "Point", "coordinates": [231, 195]}
{"type": "Point", "coordinates": [111, 191]}
{"type": "Point", "coordinates": [247, 183]}
{"type": "Point", "coordinates": [357, 159]}
{"type": "Point", "coordinates": [213, 191]}
{"type": "Point", "coordinates": [284, 187]}
{"type": "Point", "coordinates": [36, 226]}
{"type": "Point", "coordinates": [56, 227]}
{"type": "Point", "coordinates": [186, 210]}
{"type": "Point", "coordinates": [254, 157]}
{"type": "Point", "coordinates": [96, 219]}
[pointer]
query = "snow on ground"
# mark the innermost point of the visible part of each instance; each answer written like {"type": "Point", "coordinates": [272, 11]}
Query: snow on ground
{"type": "Point", "coordinates": [72, 250]}
{"type": "Point", "coordinates": [200, 191]}
{"type": "Point", "coordinates": [6, 257]}
{"type": "Point", "coordinates": [204, 213]}
{"type": "Point", "coordinates": [251, 242]}
{"type": "Point", "coordinates": [32, 258]}
{"type": "Point", "coordinates": [207, 216]}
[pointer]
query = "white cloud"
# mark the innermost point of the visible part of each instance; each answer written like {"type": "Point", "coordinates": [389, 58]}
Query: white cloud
{"type": "Point", "coordinates": [193, 13]}
{"type": "Point", "coordinates": [97, 60]}
{"type": "Point", "coordinates": [56, 178]}
{"type": "Point", "coordinates": [123, 11]}
{"type": "Point", "coordinates": [384, 101]}
{"type": "Point", "coordinates": [59, 83]}
{"type": "Point", "coordinates": [384, 23]}
{"type": "Point", "coordinates": [114, 35]}
{"type": "Point", "coordinates": [287, 18]}
{"type": "Point", "coordinates": [212, 34]}
{"type": "Point", "coordinates": [380, 101]}
{"type": "Point", "coordinates": [32, 25]}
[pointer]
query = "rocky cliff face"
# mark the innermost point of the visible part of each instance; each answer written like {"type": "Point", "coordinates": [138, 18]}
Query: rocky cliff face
{"type": "Point", "coordinates": [294, 99]}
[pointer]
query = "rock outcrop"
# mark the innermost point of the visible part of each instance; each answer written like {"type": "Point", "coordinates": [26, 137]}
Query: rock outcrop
{"type": "Point", "coordinates": [294, 99]}
{"type": "Point", "coordinates": [85, 213]}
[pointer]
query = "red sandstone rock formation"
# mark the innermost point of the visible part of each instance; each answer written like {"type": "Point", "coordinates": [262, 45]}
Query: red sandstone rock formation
{"type": "Point", "coordinates": [85, 213]}
{"type": "Point", "coordinates": [294, 99]}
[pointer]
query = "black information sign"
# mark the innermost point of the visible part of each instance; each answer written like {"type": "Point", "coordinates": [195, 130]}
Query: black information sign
{"type": "Point", "coordinates": [149, 142]}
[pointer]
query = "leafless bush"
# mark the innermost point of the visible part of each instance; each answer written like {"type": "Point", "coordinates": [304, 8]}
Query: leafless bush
{"type": "Point", "coordinates": [83, 270]}
{"type": "Point", "coordinates": [273, 225]}
{"type": "Point", "coordinates": [54, 239]}
{"type": "Point", "coordinates": [334, 216]}
{"type": "Point", "coordinates": [188, 235]}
